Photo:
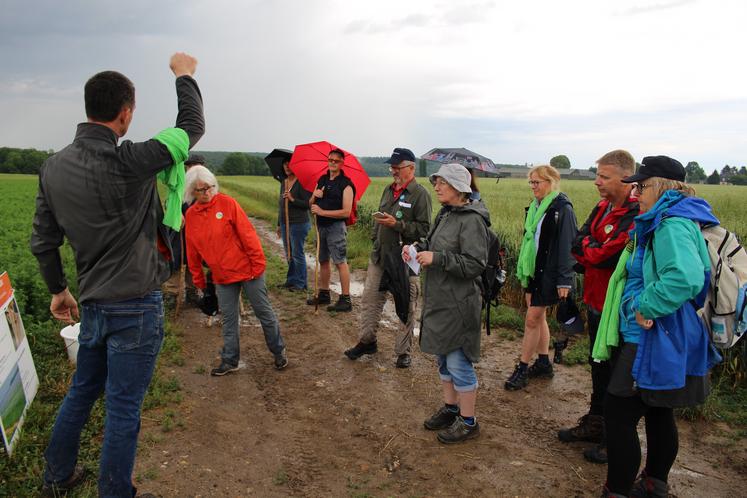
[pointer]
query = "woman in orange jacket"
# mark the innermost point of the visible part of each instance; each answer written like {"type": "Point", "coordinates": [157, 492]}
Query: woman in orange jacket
{"type": "Point", "coordinates": [220, 234]}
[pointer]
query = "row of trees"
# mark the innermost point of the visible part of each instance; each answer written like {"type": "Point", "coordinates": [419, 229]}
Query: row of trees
{"type": "Point", "coordinates": [28, 161]}
{"type": "Point", "coordinates": [25, 161]}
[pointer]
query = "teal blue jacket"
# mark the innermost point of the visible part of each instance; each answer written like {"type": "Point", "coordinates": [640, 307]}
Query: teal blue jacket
{"type": "Point", "coordinates": [676, 273]}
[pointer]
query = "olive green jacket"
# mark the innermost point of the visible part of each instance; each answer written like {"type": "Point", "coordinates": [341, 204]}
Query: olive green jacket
{"type": "Point", "coordinates": [452, 301]}
{"type": "Point", "coordinates": [413, 220]}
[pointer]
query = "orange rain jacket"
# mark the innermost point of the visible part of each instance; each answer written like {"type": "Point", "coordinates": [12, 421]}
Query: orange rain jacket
{"type": "Point", "coordinates": [220, 234]}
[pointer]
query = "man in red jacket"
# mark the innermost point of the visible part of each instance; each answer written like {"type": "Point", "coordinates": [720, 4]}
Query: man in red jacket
{"type": "Point", "coordinates": [598, 246]}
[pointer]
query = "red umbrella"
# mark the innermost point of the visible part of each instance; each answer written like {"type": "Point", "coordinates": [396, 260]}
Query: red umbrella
{"type": "Point", "coordinates": [309, 163]}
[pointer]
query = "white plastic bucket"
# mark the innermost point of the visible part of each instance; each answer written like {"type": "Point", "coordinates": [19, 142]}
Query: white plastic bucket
{"type": "Point", "coordinates": [70, 335]}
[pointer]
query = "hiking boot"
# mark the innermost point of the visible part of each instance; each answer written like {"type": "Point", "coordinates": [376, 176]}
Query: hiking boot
{"type": "Point", "coordinates": [596, 454]}
{"type": "Point", "coordinates": [539, 369]}
{"type": "Point", "coordinates": [281, 361]}
{"type": "Point", "coordinates": [458, 431]}
{"type": "Point", "coordinates": [590, 428]}
{"type": "Point", "coordinates": [223, 369]}
{"type": "Point", "coordinates": [61, 488]}
{"type": "Point", "coordinates": [323, 298]}
{"type": "Point", "coordinates": [558, 348]}
{"type": "Point", "coordinates": [360, 349]}
{"type": "Point", "coordinates": [649, 487]}
{"type": "Point", "coordinates": [404, 361]}
{"type": "Point", "coordinates": [343, 304]}
{"type": "Point", "coordinates": [518, 380]}
{"type": "Point", "coordinates": [442, 419]}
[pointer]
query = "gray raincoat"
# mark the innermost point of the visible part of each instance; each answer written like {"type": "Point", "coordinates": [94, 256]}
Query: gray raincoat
{"type": "Point", "coordinates": [451, 296]}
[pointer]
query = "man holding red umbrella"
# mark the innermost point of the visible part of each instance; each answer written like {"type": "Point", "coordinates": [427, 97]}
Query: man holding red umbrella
{"type": "Point", "coordinates": [332, 202]}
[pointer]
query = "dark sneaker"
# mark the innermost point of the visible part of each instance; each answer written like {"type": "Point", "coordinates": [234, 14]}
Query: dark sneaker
{"type": "Point", "coordinates": [558, 348]}
{"type": "Point", "coordinates": [404, 361]}
{"type": "Point", "coordinates": [442, 419]}
{"type": "Point", "coordinates": [606, 493]}
{"type": "Point", "coordinates": [360, 349]}
{"type": "Point", "coordinates": [342, 304]}
{"type": "Point", "coordinates": [223, 369]}
{"type": "Point", "coordinates": [540, 370]}
{"type": "Point", "coordinates": [590, 428]}
{"type": "Point", "coordinates": [518, 380]}
{"type": "Point", "coordinates": [61, 488]}
{"type": "Point", "coordinates": [281, 361]}
{"type": "Point", "coordinates": [294, 288]}
{"type": "Point", "coordinates": [459, 431]}
{"type": "Point", "coordinates": [596, 454]}
{"type": "Point", "coordinates": [324, 298]}
{"type": "Point", "coordinates": [649, 487]}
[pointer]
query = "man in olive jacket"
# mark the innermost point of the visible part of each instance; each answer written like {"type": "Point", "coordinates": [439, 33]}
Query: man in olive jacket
{"type": "Point", "coordinates": [405, 209]}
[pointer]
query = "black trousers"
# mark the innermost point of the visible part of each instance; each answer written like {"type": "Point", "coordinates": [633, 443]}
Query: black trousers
{"type": "Point", "coordinates": [600, 371]}
{"type": "Point", "coordinates": [621, 417]}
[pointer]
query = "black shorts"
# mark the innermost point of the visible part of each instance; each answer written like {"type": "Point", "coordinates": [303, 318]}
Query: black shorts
{"type": "Point", "coordinates": [538, 299]}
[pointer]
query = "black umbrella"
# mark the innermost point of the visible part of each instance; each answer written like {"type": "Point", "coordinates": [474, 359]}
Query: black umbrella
{"type": "Point", "coordinates": [465, 157]}
{"type": "Point", "coordinates": [275, 160]}
{"type": "Point", "coordinates": [396, 279]}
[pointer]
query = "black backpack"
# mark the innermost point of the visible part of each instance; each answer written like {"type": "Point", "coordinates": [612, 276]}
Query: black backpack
{"type": "Point", "coordinates": [493, 276]}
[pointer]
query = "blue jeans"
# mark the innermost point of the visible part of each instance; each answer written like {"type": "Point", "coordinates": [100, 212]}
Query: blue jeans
{"type": "Point", "coordinates": [118, 346]}
{"type": "Point", "coordinates": [297, 265]}
{"type": "Point", "coordinates": [457, 369]}
{"type": "Point", "coordinates": [228, 300]}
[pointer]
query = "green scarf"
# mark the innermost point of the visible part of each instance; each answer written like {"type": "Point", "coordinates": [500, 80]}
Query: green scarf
{"type": "Point", "coordinates": [528, 251]}
{"type": "Point", "coordinates": [177, 141]}
{"type": "Point", "coordinates": [608, 333]}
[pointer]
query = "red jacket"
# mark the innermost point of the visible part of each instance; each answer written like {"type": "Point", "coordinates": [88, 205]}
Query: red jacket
{"type": "Point", "coordinates": [220, 234]}
{"type": "Point", "coordinates": [599, 244]}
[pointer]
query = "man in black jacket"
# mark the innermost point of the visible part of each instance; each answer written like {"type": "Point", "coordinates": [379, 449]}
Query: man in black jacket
{"type": "Point", "coordinates": [102, 196]}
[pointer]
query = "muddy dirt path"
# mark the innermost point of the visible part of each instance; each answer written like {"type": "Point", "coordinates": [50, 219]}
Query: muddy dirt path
{"type": "Point", "coordinates": [328, 426]}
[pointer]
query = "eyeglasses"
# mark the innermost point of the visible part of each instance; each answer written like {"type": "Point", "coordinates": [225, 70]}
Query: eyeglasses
{"type": "Point", "coordinates": [397, 169]}
{"type": "Point", "coordinates": [335, 161]}
{"type": "Point", "coordinates": [204, 189]}
{"type": "Point", "coordinates": [640, 186]}
{"type": "Point", "coordinates": [534, 183]}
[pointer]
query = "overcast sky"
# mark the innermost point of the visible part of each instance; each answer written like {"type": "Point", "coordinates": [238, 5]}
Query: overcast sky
{"type": "Point", "coordinates": [517, 81]}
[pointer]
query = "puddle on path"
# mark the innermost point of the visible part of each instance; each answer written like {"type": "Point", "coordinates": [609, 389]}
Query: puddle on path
{"type": "Point", "coordinates": [357, 278]}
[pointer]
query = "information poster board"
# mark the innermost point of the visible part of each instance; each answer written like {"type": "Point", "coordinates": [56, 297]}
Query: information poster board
{"type": "Point", "coordinates": [18, 380]}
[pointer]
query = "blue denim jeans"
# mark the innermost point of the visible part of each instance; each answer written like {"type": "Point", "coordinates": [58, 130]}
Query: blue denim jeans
{"type": "Point", "coordinates": [297, 265]}
{"type": "Point", "coordinates": [228, 300]}
{"type": "Point", "coordinates": [118, 346]}
{"type": "Point", "coordinates": [457, 369]}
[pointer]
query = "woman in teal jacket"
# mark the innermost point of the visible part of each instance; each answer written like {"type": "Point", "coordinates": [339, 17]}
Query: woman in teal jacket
{"type": "Point", "coordinates": [664, 358]}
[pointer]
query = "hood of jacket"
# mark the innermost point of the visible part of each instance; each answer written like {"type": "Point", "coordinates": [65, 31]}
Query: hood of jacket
{"type": "Point", "coordinates": [673, 203]}
{"type": "Point", "coordinates": [472, 206]}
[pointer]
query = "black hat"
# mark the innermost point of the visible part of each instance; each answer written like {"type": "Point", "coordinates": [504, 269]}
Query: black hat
{"type": "Point", "coordinates": [658, 166]}
{"type": "Point", "coordinates": [195, 159]}
{"type": "Point", "coordinates": [569, 317]}
{"type": "Point", "coordinates": [399, 155]}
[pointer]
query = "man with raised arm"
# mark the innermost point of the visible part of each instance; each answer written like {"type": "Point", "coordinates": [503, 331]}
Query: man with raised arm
{"type": "Point", "coordinates": [101, 195]}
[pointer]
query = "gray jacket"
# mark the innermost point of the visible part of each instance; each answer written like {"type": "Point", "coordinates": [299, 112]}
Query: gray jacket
{"type": "Point", "coordinates": [451, 296]}
{"type": "Point", "coordinates": [102, 197]}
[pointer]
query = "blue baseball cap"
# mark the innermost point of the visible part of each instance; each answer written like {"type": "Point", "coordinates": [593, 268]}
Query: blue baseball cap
{"type": "Point", "coordinates": [399, 154]}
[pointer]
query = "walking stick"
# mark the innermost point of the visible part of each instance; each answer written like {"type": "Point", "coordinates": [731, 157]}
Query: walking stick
{"type": "Point", "coordinates": [289, 253]}
{"type": "Point", "coordinates": [181, 294]}
{"type": "Point", "coordinates": [316, 270]}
